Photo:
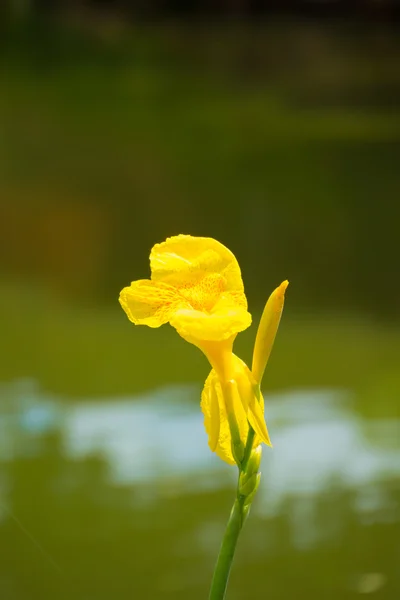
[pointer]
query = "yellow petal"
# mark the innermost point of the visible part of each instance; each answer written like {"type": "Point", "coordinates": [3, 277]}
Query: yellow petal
{"type": "Point", "coordinates": [195, 326]}
{"type": "Point", "coordinates": [219, 355]}
{"type": "Point", "coordinates": [224, 321]}
{"type": "Point", "coordinates": [256, 418]}
{"type": "Point", "coordinates": [252, 400]}
{"type": "Point", "coordinates": [267, 331]}
{"type": "Point", "coordinates": [149, 302]}
{"type": "Point", "coordinates": [212, 388]}
{"type": "Point", "coordinates": [214, 419]}
{"type": "Point", "coordinates": [183, 260]}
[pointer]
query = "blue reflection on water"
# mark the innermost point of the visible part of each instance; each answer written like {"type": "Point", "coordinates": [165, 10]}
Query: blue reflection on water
{"type": "Point", "coordinates": [318, 441]}
{"type": "Point", "coordinates": [144, 438]}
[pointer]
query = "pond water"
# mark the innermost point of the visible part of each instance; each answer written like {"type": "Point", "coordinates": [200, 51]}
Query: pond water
{"type": "Point", "coordinates": [122, 498]}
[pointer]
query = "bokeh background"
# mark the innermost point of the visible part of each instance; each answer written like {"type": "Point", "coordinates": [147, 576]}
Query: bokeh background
{"type": "Point", "coordinates": [275, 128]}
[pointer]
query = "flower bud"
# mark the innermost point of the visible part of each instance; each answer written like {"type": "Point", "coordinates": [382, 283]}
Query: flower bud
{"type": "Point", "coordinates": [237, 448]}
{"type": "Point", "coordinates": [254, 461]}
{"type": "Point", "coordinates": [249, 498]}
{"type": "Point", "coordinates": [247, 485]}
{"type": "Point", "coordinates": [267, 329]}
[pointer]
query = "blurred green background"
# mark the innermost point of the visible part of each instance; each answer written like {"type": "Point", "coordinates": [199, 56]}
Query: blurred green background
{"type": "Point", "coordinates": [278, 133]}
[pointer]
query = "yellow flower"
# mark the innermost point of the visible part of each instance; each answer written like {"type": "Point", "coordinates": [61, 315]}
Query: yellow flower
{"type": "Point", "coordinates": [196, 286]}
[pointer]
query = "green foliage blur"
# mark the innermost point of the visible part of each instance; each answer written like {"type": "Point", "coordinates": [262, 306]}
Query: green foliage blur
{"type": "Point", "coordinates": [279, 139]}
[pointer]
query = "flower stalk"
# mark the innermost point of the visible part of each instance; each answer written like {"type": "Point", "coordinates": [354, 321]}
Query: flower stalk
{"type": "Point", "coordinates": [249, 461]}
{"type": "Point", "coordinates": [196, 286]}
{"type": "Point", "coordinates": [248, 481]}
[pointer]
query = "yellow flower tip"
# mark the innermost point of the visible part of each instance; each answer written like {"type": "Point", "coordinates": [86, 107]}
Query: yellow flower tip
{"type": "Point", "coordinates": [267, 330]}
{"type": "Point", "coordinates": [279, 294]}
{"type": "Point", "coordinates": [282, 287]}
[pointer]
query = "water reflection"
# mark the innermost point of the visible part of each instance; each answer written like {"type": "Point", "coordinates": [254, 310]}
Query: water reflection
{"type": "Point", "coordinates": [135, 475]}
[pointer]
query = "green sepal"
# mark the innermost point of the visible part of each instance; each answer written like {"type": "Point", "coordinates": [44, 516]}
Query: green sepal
{"type": "Point", "coordinates": [247, 484]}
{"type": "Point", "coordinates": [250, 497]}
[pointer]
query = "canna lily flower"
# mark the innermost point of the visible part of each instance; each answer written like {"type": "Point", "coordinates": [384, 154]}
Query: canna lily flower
{"type": "Point", "coordinates": [196, 286]}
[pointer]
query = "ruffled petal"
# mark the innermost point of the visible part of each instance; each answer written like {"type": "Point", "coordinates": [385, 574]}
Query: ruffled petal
{"type": "Point", "coordinates": [184, 260]}
{"type": "Point", "coordinates": [222, 322]}
{"type": "Point", "coordinates": [149, 302]}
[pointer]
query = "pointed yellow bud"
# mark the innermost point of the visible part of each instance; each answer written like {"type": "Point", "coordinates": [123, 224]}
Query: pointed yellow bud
{"type": "Point", "coordinates": [267, 331]}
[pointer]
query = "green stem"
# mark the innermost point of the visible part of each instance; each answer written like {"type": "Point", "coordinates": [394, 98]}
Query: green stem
{"type": "Point", "coordinates": [227, 551]}
{"type": "Point", "coordinates": [248, 448]}
{"type": "Point", "coordinates": [231, 536]}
